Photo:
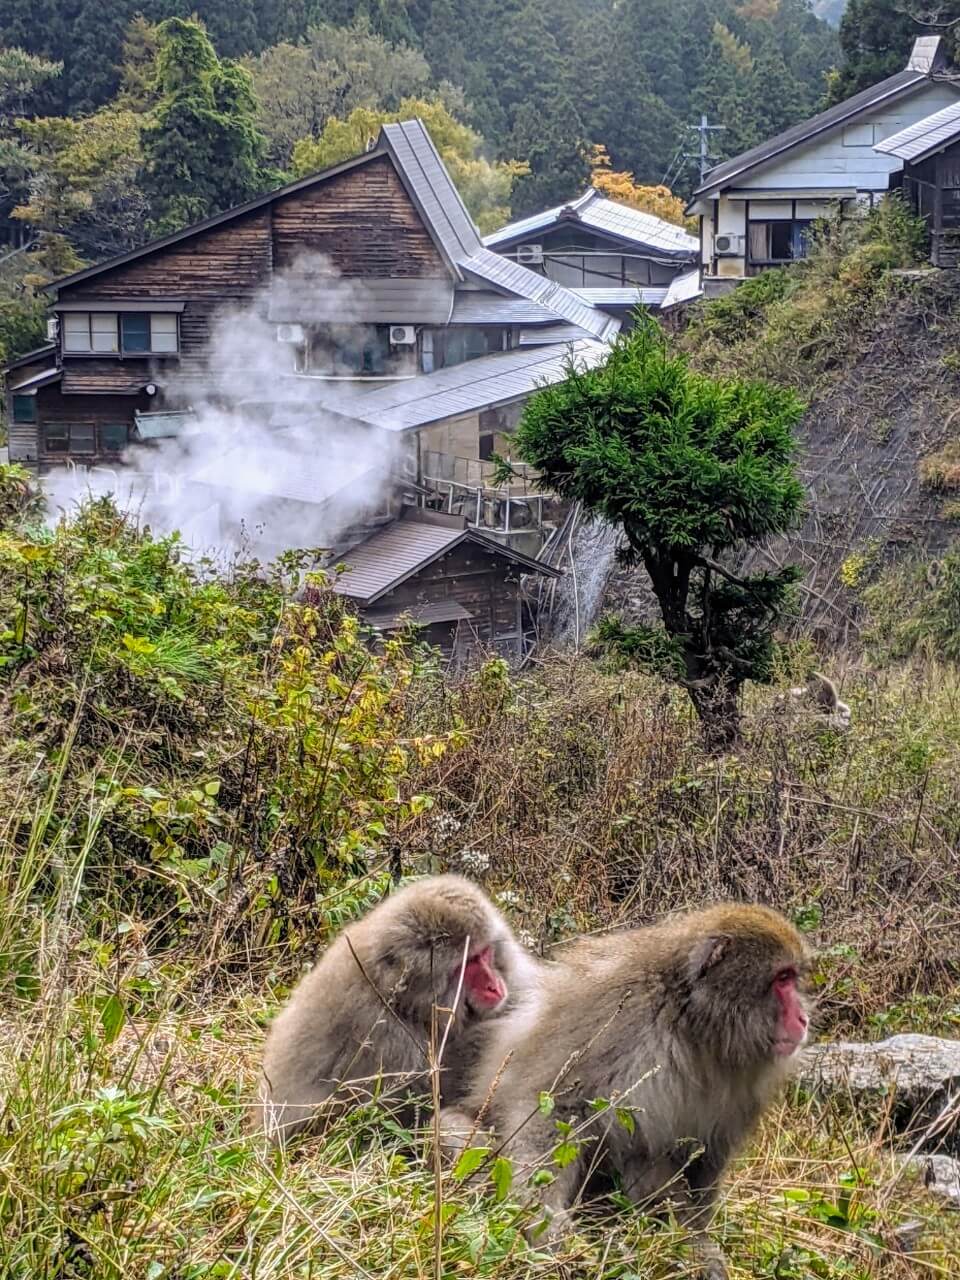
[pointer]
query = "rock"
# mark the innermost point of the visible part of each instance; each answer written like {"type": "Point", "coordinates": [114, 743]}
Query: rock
{"type": "Point", "coordinates": [939, 1174]}
{"type": "Point", "coordinates": [918, 1076]}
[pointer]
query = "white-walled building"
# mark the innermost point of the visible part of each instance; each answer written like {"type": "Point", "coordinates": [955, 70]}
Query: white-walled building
{"type": "Point", "coordinates": [755, 209]}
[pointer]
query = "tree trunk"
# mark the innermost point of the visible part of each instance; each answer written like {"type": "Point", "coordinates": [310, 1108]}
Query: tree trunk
{"type": "Point", "coordinates": [718, 707]}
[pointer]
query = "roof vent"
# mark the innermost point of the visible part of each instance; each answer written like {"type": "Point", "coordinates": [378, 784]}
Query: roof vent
{"type": "Point", "coordinates": [927, 55]}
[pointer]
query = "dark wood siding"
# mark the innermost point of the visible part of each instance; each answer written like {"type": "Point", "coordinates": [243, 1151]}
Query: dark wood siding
{"type": "Point", "coordinates": [232, 260]}
{"type": "Point", "coordinates": [99, 411]}
{"type": "Point", "coordinates": [485, 585]}
{"type": "Point", "coordinates": [363, 221]}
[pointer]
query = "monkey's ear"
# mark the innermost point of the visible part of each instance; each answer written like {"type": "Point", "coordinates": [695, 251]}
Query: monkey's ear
{"type": "Point", "coordinates": [707, 954]}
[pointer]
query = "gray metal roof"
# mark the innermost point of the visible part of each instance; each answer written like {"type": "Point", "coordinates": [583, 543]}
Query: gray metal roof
{"type": "Point", "coordinates": [602, 214]}
{"type": "Point", "coordinates": [396, 553]}
{"type": "Point", "coordinates": [927, 135]}
{"type": "Point", "coordinates": [683, 289]}
{"type": "Point", "coordinates": [411, 403]}
{"type": "Point", "coordinates": [395, 300]}
{"type": "Point", "coordinates": [549, 335]}
{"type": "Point", "coordinates": [421, 614]}
{"type": "Point", "coordinates": [490, 268]}
{"type": "Point", "coordinates": [33, 380]}
{"type": "Point", "coordinates": [438, 199]}
{"type": "Point", "coordinates": [626, 296]}
{"type": "Point", "coordinates": [920, 67]}
{"type": "Point", "coordinates": [487, 307]}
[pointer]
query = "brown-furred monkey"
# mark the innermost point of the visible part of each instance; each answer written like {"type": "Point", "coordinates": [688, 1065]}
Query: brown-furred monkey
{"type": "Point", "coordinates": [690, 1024]}
{"type": "Point", "coordinates": [360, 1023]}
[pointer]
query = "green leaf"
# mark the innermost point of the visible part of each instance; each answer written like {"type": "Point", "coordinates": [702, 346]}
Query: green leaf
{"type": "Point", "coordinates": [545, 1103]}
{"type": "Point", "coordinates": [501, 1175]}
{"type": "Point", "coordinates": [212, 788]}
{"type": "Point", "coordinates": [469, 1162]}
{"type": "Point", "coordinates": [626, 1120]}
{"type": "Point", "coordinates": [112, 1018]}
{"type": "Point", "coordinates": [565, 1153]}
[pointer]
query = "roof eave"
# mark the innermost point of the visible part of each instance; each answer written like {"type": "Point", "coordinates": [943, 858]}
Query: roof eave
{"type": "Point", "coordinates": [709, 188]}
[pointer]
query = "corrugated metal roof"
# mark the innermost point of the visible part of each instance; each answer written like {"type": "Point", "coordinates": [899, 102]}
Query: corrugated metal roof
{"type": "Point", "coordinates": [602, 214]}
{"type": "Point", "coordinates": [895, 86]}
{"type": "Point", "coordinates": [684, 289]}
{"type": "Point", "coordinates": [627, 296]}
{"type": "Point", "coordinates": [438, 198]}
{"type": "Point", "coordinates": [549, 335]}
{"type": "Point", "coordinates": [494, 308]}
{"type": "Point", "coordinates": [398, 300]}
{"type": "Point", "coordinates": [927, 135]}
{"type": "Point", "coordinates": [422, 614]}
{"type": "Point", "coordinates": [504, 274]}
{"type": "Point", "coordinates": [497, 379]}
{"type": "Point", "coordinates": [290, 473]}
{"type": "Point", "coordinates": [396, 553]}
{"type": "Point", "coordinates": [33, 380]}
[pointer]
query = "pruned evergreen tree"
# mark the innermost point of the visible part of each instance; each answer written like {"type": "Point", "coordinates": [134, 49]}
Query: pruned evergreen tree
{"type": "Point", "coordinates": [694, 470]}
{"type": "Point", "coordinates": [202, 150]}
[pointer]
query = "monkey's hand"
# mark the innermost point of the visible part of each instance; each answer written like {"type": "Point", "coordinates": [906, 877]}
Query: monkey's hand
{"type": "Point", "coordinates": [459, 1130]}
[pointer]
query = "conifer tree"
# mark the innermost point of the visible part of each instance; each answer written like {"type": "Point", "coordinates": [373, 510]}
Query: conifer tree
{"type": "Point", "coordinates": [202, 150]}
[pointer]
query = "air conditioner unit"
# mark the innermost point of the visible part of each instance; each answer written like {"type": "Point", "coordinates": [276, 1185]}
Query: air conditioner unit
{"type": "Point", "coordinates": [53, 329]}
{"type": "Point", "coordinates": [290, 333]}
{"type": "Point", "coordinates": [530, 255]}
{"type": "Point", "coordinates": [728, 246]}
{"type": "Point", "coordinates": [403, 335]}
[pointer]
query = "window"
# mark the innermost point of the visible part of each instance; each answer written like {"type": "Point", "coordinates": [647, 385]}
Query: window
{"type": "Point", "coordinates": [781, 241]}
{"type": "Point", "coordinates": [114, 437]}
{"type": "Point", "coordinates": [135, 328]}
{"type": "Point", "coordinates": [352, 351]}
{"type": "Point", "coordinates": [456, 346]}
{"type": "Point", "coordinates": [24, 408]}
{"type": "Point", "coordinates": [486, 446]}
{"type": "Point", "coordinates": [57, 438]}
{"type": "Point", "coordinates": [74, 437]}
{"type": "Point", "coordinates": [109, 333]}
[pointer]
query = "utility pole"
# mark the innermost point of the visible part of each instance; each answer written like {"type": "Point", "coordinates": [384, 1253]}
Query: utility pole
{"type": "Point", "coordinates": [704, 129]}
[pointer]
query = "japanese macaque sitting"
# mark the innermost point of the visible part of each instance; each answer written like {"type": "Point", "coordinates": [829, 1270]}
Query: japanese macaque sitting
{"type": "Point", "coordinates": [820, 695]}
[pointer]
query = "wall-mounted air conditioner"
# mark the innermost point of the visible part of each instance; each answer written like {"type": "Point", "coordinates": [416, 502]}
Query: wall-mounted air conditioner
{"type": "Point", "coordinates": [728, 246]}
{"type": "Point", "coordinates": [530, 255]}
{"type": "Point", "coordinates": [53, 329]}
{"type": "Point", "coordinates": [403, 335]}
{"type": "Point", "coordinates": [290, 333]}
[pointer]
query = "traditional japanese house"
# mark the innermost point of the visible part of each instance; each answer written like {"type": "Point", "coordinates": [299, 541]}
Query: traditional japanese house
{"type": "Point", "coordinates": [609, 254]}
{"type": "Point", "coordinates": [756, 209]}
{"type": "Point", "coordinates": [369, 285]}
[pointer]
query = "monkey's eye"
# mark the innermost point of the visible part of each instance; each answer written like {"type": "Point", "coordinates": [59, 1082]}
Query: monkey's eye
{"type": "Point", "coordinates": [785, 976]}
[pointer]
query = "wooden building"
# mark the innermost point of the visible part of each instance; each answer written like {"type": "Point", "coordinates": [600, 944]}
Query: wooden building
{"type": "Point", "coordinates": [364, 278]}
{"type": "Point", "coordinates": [930, 153]}
{"type": "Point", "coordinates": [458, 585]}
{"type": "Point", "coordinates": [756, 208]}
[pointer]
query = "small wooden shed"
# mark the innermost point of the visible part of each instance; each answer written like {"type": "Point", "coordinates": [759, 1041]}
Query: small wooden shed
{"type": "Point", "coordinates": [460, 586]}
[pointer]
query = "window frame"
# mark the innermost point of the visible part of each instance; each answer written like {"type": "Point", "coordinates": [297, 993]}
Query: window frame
{"type": "Point", "coordinates": [120, 349]}
{"type": "Point", "coordinates": [790, 223]}
{"type": "Point", "coordinates": [58, 429]}
{"type": "Point", "coordinates": [18, 400]}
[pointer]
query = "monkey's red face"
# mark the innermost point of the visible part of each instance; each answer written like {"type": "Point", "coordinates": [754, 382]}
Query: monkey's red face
{"type": "Point", "coordinates": [793, 1020]}
{"type": "Point", "coordinates": [483, 988]}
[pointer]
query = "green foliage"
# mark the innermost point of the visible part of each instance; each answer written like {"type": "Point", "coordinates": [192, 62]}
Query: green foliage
{"type": "Point", "coordinates": [202, 149]}
{"type": "Point", "coordinates": [916, 607]}
{"type": "Point", "coordinates": [690, 467]}
{"type": "Point", "coordinates": [876, 37]}
{"type": "Point", "coordinates": [802, 322]}
{"type": "Point", "coordinates": [485, 186]}
{"type": "Point", "coordinates": [329, 73]}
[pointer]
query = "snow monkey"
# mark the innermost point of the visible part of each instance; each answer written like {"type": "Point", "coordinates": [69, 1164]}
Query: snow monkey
{"type": "Point", "coordinates": [822, 693]}
{"type": "Point", "coordinates": [360, 1023]}
{"type": "Point", "coordinates": [689, 1025]}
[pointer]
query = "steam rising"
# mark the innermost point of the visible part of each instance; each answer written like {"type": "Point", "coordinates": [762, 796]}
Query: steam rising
{"type": "Point", "coordinates": [268, 462]}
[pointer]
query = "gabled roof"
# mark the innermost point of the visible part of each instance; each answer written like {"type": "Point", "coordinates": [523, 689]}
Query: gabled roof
{"type": "Point", "coordinates": [394, 554]}
{"type": "Point", "coordinates": [592, 210]}
{"type": "Point", "coordinates": [444, 214]}
{"type": "Point", "coordinates": [919, 140]}
{"type": "Point", "coordinates": [925, 60]}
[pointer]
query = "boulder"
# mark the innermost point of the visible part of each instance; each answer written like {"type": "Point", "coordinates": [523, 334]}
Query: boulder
{"type": "Point", "coordinates": [915, 1080]}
